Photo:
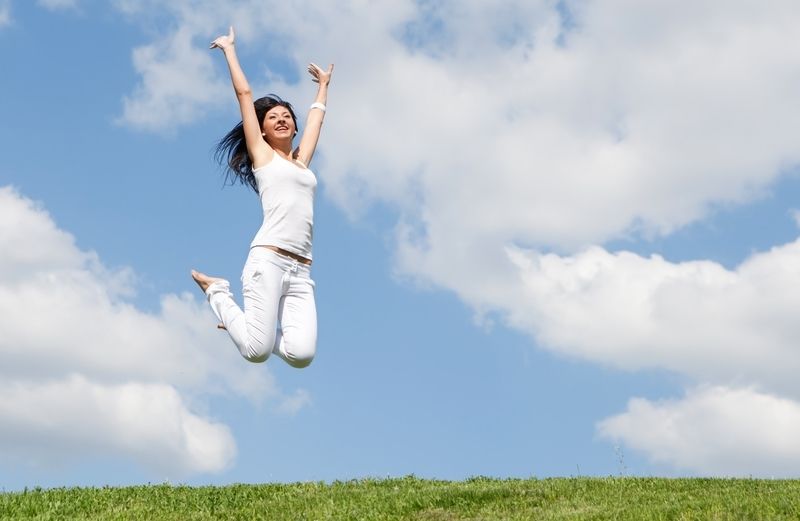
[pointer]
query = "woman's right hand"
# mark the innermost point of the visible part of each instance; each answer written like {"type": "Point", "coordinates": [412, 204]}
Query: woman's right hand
{"type": "Point", "coordinates": [223, 42]}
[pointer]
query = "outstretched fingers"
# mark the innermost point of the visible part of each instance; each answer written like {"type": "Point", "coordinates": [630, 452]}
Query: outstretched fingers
{"type": "Point", "coordinates": [318, 74]}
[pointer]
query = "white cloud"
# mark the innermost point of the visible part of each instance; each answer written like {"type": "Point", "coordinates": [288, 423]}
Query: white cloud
{"type": "Point", "coordinates": [621, 309]}
{"type": "Point", "coordinates": [177, 82]}
{"type": "Point", "coordinates": [55, 5]}
{"type": "Point", "coordinates": [714, 431]}
{"type": "Point", "coordinates": [149, 423]}
{"type": "Point", "coordinates": [696, 318]}
{"type": "Point", "coordinates": [68, 331]}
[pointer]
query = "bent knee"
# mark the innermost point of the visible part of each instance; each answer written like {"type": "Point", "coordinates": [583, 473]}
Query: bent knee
{"type": "Point", "coordinates": [256, 354]}
{"type": "Point", "coordinates": [300, 356]}
{"type": "Point", "coordinates": [256, 358]}
{"type": "Point", "coordinates": [299, 363]}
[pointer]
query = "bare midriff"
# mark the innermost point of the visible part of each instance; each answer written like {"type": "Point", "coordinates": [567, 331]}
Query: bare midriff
{"type": "Point", "coordinates": [287, 253]}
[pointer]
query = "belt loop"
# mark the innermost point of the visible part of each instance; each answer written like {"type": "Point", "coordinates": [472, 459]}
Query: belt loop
{"type": "Point", "coordinates": [285, 282]}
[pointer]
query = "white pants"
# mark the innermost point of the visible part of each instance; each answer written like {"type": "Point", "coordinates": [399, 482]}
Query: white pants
{"type": "Point", "coordinates": [277, 291]}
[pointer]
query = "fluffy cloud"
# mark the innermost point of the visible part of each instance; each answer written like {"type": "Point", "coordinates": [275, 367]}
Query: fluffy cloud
{"type": "Point", "coordinates": [714, 431]}
{"type": "Point", "coordinates": [177, 80]}
{"type": "Point", "coordinates": [498, 134]}
{"type": "Point", "coordinates": [83, 368]}
{"type": "Point", "coordinates": [696, 318]}
{"type": "Point", "coordinates": [147, 422]}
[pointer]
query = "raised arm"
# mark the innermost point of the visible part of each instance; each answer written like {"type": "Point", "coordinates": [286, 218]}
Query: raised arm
{"type": "Point", "coordinates": [308, 143]}
{"type": "Point", "coordinates": [258, 149]}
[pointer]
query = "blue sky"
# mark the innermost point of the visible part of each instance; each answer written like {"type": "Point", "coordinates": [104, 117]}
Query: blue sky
{"type": "Point", "coordinates": [551, 238]}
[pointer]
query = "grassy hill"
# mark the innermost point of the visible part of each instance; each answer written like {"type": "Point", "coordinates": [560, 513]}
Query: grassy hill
{"type": "Point", "coordinates": [418, 499]}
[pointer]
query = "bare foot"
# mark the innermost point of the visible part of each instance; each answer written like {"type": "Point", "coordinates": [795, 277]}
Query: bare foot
{"type": "Point", "coordinates": [203, 280]}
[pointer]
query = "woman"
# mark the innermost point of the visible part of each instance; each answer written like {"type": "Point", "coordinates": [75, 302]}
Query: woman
{"type": "Point", "coordinates": [276, 280]}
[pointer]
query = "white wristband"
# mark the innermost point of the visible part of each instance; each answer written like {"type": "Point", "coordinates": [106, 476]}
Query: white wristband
{"type": "Point", "coordinates": [318, 105]}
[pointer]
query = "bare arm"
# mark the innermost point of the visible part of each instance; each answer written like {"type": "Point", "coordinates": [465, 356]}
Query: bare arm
{"type": "Point", "coordinates": [308, 143]}
{"type": "Point", "coordinates": [258, 149]}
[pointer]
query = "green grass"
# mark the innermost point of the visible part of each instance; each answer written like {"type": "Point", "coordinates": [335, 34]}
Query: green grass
{"type": "Point", "coordinates": [424, 500]}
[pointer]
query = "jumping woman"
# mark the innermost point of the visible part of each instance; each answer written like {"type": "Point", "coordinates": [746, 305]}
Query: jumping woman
{"type": "Point", "coordinates": [279, 310]}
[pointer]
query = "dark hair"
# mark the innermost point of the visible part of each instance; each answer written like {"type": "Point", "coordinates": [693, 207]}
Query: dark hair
{"type": "Point", "coordinates": [231, 151]}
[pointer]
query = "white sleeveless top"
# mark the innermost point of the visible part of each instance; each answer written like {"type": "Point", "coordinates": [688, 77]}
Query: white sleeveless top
{"type": "Point", "coordinates": [287, 198]}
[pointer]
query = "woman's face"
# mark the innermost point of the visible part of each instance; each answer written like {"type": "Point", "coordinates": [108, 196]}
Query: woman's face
{"type": "Point", "coordinates": [278, 125]}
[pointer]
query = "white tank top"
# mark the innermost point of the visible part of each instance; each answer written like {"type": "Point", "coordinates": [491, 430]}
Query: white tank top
{"type": "Point", "coordinates": [287, 198]}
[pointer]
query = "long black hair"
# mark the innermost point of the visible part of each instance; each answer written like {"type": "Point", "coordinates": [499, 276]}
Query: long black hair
{"type": "Point", "coordinates": [231, 151]}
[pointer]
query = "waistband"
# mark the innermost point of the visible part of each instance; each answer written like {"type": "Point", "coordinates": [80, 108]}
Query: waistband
{"type": "Point", "coordinates": [285, 262]}
{"type": "Point", "coordinates": [287, 253]}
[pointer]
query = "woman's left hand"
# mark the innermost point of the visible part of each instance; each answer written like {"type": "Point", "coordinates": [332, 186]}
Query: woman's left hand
{"type": "Point", "coordinates": [318, 75]}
